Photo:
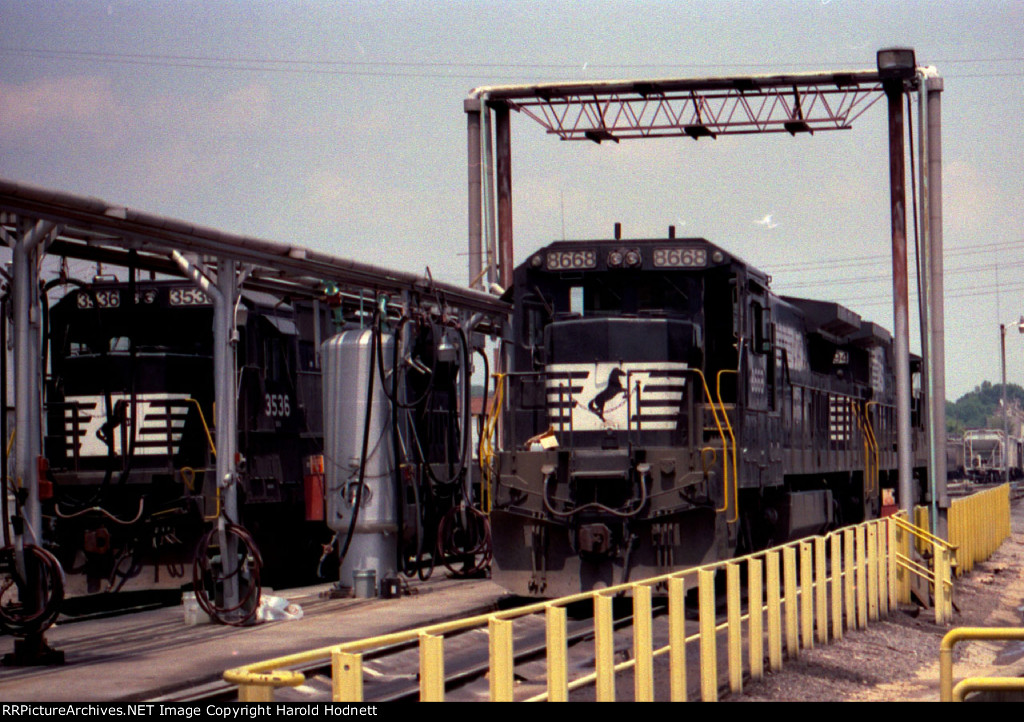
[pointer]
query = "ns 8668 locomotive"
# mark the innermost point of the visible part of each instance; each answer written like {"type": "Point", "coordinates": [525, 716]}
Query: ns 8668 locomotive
{"type": "Point", "coordinates": [666, 409]}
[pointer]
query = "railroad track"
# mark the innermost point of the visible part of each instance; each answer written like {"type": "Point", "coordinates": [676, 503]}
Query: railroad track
{"type": "Point", "coordinates": [391, 674]}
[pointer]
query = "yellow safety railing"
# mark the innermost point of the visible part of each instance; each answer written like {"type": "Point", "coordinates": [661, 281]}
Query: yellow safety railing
{"type": "Point", "coordinates": [949, 693]}
{"type": "Point", "coordinates": [798, 595]}
{"type": "Point", "coordinates": [978, 524]}
{"type": "Point", "coordinates": [939, 575]}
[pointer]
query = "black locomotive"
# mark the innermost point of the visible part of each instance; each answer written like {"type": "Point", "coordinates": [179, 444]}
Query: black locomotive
{"type": "Point", "coordinates": [130, 438]}
{"type": "Point", "coordinates": [666, 409]}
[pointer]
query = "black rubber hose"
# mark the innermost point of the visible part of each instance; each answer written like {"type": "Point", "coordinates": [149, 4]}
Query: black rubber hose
{"type": "Point", "coordinates": [18, 621]}
{"type": "Point", "coordinates": [202, 572]}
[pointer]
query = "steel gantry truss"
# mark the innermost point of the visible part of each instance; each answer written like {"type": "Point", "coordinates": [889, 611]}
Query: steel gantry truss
{"type": "Point", "coordinates": [700, 109]}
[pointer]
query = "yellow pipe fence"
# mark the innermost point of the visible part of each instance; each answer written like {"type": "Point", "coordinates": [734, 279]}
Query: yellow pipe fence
{"type": "Point", "coordinates": [978, 524]}
{"type": "Point", "coordinates": [798, 595]}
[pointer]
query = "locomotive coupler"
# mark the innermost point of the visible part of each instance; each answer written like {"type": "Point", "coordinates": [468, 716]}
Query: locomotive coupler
{"type": "Point", "coordinates": [594, 539]}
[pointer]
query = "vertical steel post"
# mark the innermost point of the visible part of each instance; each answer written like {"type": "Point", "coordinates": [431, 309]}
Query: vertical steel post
{"type": "Point", "coordinates": [28, 405]}
{"type": "Point", "coordinates": [28, 399]}
{"type": "Point", "coordinates": [1003, 453]}
{"type": "Point", "coordinates": [897, 198]}
{"type": "Point", "coordinates": [937, 343]}
{"type": "Point", "coordinates": [503, 137]}
{"type": "Point", "coordinates": [224, 366]}
{"type": "Point", "coordinates": [472, 107]}
{"type": "Point", "coordinates": [223, 294]}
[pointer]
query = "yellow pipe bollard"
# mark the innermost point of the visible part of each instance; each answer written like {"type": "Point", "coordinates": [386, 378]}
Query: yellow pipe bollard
{"type": "Point", "coordinates": [677, 638]}
{"type": "Point", "coordinates": [431, 668]}
{"type": "Point", "coordinates": [735, 631]}
{"type": "Point", "coordinates": [346, 676]}
{"type": "Point", "coordinates": [260, 687]}
{"type": "Point", "coordinates": [792, 608]}
{"type": "Point", "coordinates": [755, 604]}
{"type": "Point", "coordinates": [837, 586]}
{"type": "Point", "coordinates": [604, 649]}
{"type": "Point", "coordinates": [806, 597]}
{"type": "Point", "coordinates": [708, 647]}
{"type": "Point", "coordinates": [643, 645]}
{"type": "Point", "coordinates": [774, 614]}
{"type": "Point", "coordinates": [558, 653]}
{"type": "Point", "coordinates": [501, 660]}
{"type": "Point", "coordinates": [963, 634]}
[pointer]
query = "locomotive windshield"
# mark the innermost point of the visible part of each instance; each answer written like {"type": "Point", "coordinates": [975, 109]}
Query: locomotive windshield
{"type": "Point", "coordinates": [159, 332]}
{"type": "Point", "coordinates": [661, 295]}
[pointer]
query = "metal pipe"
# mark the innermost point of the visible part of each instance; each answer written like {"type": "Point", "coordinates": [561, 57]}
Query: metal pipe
{"type": "Point", "coordinates": [27, 370]}
{"type": "Point", "coordinates": [503, 138]}
{"type": "Point", "coordinates": [901, 340]}
{"type": "Point", "coordinates": [224, 365]}
{"type": "Point", "coordinates": [6, 521]}
{"type": "Point", "coordinates": [1003, 454]}
{"type": "Point", "coordinates": [934, 85]}
{"type": "Point", "coordinates": [472, 107]}
{"type": "Point", "coordinates": [489, 200]}
{"type": "Point", "coordinates": [222, 294]}
{"type": "Point", "coordinates": [934, 433]}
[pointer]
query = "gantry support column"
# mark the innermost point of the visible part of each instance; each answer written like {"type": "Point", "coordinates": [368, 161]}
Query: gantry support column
{"type": "Point", "coordinates": [901, 338]}
{"type": "Point", "coordinates": [931, 90]}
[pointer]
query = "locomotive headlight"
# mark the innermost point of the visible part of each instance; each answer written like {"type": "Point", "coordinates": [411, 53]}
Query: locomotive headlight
{"type": "Point", "coordinates": [536, 261]}
{"type": "Point", "coordinates": [633, 258]}
{"type": "Point", "coordinates": [615, 259]}
{"type": "Point", "coordinates": [717, 256]}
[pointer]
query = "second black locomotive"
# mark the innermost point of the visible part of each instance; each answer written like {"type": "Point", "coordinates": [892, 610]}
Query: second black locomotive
{"type": "Point", "coordinates": [130, 437]}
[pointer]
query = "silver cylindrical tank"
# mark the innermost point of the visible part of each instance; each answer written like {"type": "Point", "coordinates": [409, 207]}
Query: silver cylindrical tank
{"type": "Point", "coordinates": [346, 374]}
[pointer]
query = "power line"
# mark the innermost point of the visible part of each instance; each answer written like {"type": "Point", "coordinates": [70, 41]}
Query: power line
{"type": "Point", "coordinates": [379, 67]}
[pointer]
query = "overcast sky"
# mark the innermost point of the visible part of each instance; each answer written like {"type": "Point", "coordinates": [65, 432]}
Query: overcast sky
{"type": "Point", "coordinates": [339, 126]}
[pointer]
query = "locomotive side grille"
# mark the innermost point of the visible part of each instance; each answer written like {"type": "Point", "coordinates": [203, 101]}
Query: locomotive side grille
{"type": "Point", "coordinates": [160, 422]}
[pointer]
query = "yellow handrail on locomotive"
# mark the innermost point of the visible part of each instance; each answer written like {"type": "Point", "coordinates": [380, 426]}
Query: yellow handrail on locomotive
{"type": "Point", "coordinates": [865, 441]}
{"type": "Point", "coordinates": [870, 446]}
{"type": "Point", "coordinates": [732, 438]}
{"type": "Point", "coordinates": [874, 445]}
{"type": "Point", "coordinates": [213, 450]}
{"type": "Point", "coordinates": [206, 428]}
{"type": "Point", "coordinates": [721, 432]}
{"type": "Point", "coordinates": [487, 446]}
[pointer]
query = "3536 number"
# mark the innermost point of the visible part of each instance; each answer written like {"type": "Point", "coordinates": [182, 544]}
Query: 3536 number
{"type": "Point", "coordinates": [277, 405]}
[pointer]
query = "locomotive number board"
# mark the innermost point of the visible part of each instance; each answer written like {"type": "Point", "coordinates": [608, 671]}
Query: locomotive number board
{"type": "Point", "coordinates": [571, 260]}
{"type": "Point", "coordinates": [680, 257]}
{"type": "Point", "coordinates": [111, 298]}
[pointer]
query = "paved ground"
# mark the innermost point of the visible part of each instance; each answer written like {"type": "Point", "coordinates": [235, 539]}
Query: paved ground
{"type": "Point", "coordinates": [897, 659]}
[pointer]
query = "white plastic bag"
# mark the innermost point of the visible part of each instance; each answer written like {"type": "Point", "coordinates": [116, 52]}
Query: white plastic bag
{"type": "Point", "coordinates": [277, 609]}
